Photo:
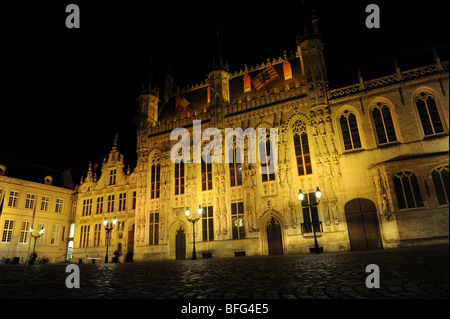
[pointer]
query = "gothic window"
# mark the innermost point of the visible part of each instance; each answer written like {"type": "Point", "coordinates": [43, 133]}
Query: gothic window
{"type": "Point", "coordinates": [268, 173]}
{"type": "Point", "coordinates": [441, 182]}
{"type": "Point", "coordinates": [154, 228]}
{"type": "Point", "coordinates": [308, 213]}
{"type": "Point", "coordinates": [155, 180]}
{"type": "Point", "coordinates": [237, 220]}
{"type": "Point", "coordinates": [179, 178]}
{"type": "Point", "coordinates": [208, 223]}
{"type": "Point", "coordinates": [234, 166]}
{"type": "Point", "coordinates": [429, 114]}
{"type": "Point", "coordinates": [407, 190]}
{"type": "Point", "coordinates": [302, 153]}
{"type": "Point", "coordinates": [384, 125]}
{"type": "Point", "coordinates": [350, 133]}
{"type": "Point", "coordinates": [206, 174]}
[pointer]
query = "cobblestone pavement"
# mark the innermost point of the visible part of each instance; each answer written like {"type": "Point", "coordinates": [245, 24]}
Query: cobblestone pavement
{"type": "Point", "coordinates": [419, 272]}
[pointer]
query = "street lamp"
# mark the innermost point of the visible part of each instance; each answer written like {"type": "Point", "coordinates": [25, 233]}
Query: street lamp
{"type": "Point", "coordinates": [301, 197]}
{"type": "Point", "coordinates": [193, 220]}
{"type": "Point", "coordinates": [108, 231]}
{"type": "Point", "coordinates": [39, 234]}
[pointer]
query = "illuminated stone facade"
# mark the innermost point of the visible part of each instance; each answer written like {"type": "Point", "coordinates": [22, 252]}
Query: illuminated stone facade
{"type": "Point", "coordinates": [46, 204]}
{"type": "Point", "coordinates": [377, 149]}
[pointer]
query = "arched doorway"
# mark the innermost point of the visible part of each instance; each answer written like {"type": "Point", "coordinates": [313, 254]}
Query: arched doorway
{"type": "Point", "coordinates": [362, 225]}
{"type": "Point", "coordinates": [274, 237]}
{"type": "Point", "coordinates": [180, 244]}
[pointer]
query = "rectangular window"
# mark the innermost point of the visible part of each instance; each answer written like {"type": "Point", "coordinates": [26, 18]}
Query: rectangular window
{"type": "Point", "coordinates": [55, 234]}
{"type": "Point", "coordinates": [8, 228]}
{"type": "Point", "coordinates": [310, 213]}
{"type": "Point", "coordinates": [110, 203]}
{"type": "Point", "coordinates": [45, 202]}
{"type": "Point", "coordinates": [155, 181]}
{"type": "Point", "coordinates": [29, 201]}
{"type": "Point", "coordinates": [60, 203]}
{"type": "Point", "coordinates": [206, 176]}
{"type": "Point", "coordinates": [208, 223]}
{"type": "Point", "coordinates": [99, 205]}
{"type": "Point", "coordinates": [302, 154]}
{"type": "Point", "coordinates": [237, 220]}
{"type": "Point", "coordinates": [122, 201]}
{"type": "Point", "coordinates": [179, 178]}
{"type": "Point", "coordinates": [13, 200]}
{"type": "Point", "coordinates": [235, 171]}
{"type": "Point", "coordinates": [268, 174]}
{"type": "Point", "coordinates": [154, 228]}
{"type": "Point", "coordinates": [112, 177]}
{"type": "Point", "coordinates": [97, 232]}
{"type": "Point", "coordinates": [41, 239]}
{"type": "Point", "coordinates": [84, 236]}
{"type": "Point", "coordinates": [133, 201]}
{"type": "Point", "coordinates": [24, 231]}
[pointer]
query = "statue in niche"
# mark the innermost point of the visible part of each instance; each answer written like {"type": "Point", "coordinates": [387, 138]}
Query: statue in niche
{"type": "Point", "coordinates": [293, 214]}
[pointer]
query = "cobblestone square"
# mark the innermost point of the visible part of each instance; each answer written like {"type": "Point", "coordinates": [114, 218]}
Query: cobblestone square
{"type": "Point", "coordinates": [416, 272]}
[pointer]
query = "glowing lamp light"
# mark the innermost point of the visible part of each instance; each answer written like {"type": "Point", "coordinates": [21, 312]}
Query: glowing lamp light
{"type": "Point", "coordinates": [300, 195]}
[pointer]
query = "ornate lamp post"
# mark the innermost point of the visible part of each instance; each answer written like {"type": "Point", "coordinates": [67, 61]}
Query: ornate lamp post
{"type": "Point", "coordinates": [301, 197]}
{"type": "Point", "coordinates": [41, 231]}
{"type": "Point", "coordinates": [108, 231]}
{"type": "Point", "coordinates": [193, 220]}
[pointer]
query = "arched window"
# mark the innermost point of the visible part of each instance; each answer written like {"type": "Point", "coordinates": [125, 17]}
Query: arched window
{"type": "Point", "coordinates": [440, 181]}
{"type": "Point", "coordinates": [155, 177]}
{"type": "Point", "coordinates": [407, 190]}
{"type": "Point", "coordinates": [384, 125]}
{"type": "Point", "coordinates": [301, 146]}
{"type": "Point", "coordinates": [350, 133]}
{"type": "Point", "coordinates": [428, 114]}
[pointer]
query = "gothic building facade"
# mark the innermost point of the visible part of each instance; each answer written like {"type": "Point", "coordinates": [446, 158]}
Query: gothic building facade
{"type": "Point", "coordinates": [376, 149]}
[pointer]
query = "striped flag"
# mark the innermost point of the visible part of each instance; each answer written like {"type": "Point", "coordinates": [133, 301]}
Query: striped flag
{"type": "Point", "coordinates": [264, 78]}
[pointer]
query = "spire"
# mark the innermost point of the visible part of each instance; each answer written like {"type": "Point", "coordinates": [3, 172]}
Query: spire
{"type": "Point", "coordinates": [152, 86]}
{"type": "Point", "coordinates": [310, 23]}
{"type": "Point", "coordinates": [220, 65]}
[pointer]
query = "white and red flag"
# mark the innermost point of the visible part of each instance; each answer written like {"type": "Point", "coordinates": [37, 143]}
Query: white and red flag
{"type": "Point", "coordinates": [264, 78]}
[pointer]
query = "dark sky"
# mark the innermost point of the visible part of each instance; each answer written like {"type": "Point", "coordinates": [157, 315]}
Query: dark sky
{"type": "Point", "coordinates": [66, 92]}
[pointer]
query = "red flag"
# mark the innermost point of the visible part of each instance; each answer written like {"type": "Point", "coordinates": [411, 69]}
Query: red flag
{"type": "Point", "coordinates": [264, 78]}
{"type": "Point", "coordinates": [181, 104]}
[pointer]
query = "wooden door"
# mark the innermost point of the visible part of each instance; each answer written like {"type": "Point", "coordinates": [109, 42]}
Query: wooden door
{"type": "Point", "coordinates": [180, 244]}
{"type": "Point", "coordinates": [362, 224]}
{"type": "Point", "coordinates": [274, 238]}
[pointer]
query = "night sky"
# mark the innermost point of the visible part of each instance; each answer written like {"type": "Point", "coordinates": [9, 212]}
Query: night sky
{"type": "Point", "coordinates": [66, 92]}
